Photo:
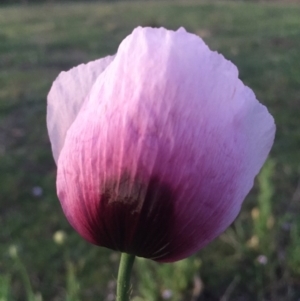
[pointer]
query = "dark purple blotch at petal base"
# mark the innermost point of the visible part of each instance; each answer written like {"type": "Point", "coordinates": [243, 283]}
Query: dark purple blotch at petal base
{"type": "Point", "coordinates": [135, 217]}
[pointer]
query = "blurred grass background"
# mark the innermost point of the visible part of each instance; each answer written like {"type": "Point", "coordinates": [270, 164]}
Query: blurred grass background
{"type": "Point", "coordinates": [42, 258]}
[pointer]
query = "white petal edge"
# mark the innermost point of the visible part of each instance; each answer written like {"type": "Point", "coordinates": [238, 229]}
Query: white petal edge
{"type": "Point", "coordinates": [66, 98]}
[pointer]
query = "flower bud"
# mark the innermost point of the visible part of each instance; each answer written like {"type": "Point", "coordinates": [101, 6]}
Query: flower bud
{"type": "Point", "coordinates": [157, 146]}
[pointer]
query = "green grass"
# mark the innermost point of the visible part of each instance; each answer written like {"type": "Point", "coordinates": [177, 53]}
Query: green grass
{"type": "Point", "coordinates": [36, 43]}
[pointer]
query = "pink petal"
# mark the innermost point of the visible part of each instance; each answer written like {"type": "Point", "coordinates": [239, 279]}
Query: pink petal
{"type": "Point", "coordinates": [161, 157]}
{"type": "Point", "coordinates": [66, 97]}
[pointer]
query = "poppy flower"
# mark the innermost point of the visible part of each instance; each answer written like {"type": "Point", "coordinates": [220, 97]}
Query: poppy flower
{"type": "Point", "coordinates": [157, 146]}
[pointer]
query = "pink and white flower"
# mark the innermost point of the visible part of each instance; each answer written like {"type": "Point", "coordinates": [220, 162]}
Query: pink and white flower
{"type": "Point", "coordinates": [157, 146]}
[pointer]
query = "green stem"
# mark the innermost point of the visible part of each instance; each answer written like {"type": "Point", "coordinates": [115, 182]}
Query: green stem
{"type": "Point", "coordinates": [123, 284]}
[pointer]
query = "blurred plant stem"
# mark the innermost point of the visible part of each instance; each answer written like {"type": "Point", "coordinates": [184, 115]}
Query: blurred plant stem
{"type": "Point", "coordinates": [123, 283]}
{"type": "Point", "coordinates": [25, 277]}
